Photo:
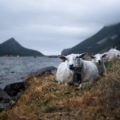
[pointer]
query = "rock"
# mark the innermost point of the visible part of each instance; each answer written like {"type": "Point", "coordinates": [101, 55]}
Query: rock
{"type": "Point", "coordinates": [12, 92]}
{"type": "Point", "coordinates": [15, 98]}
{"type": "Point", "coordinates": [4, 97]}
{"type": "Point", "coordinates": [4, 106]}
{"type": "Point", "coordinates": [4, 100]}
{"type": "Point", "coordinates": [42, 71]}
{"type": "Point", "coordinates": [14, 88]}
{"type": "Point", "coordinates": [10, 95]}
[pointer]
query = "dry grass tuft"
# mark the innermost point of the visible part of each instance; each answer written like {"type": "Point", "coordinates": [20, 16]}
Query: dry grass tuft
{"type": "Point", "coordinates": [45, 99]}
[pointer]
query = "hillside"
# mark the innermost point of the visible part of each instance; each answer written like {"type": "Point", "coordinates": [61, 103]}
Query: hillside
{"type": "Point", "coordinates": [103, 40]}
{"type": "Point", "coordinates": [65, 51]}
{"type": "Point", "coordinates": [12, 47]}
{"type": "Point", "coordinates": [45, 99]}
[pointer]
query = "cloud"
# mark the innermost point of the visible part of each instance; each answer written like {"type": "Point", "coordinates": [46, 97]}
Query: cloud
{"type": "Point", "coordinates": [50, 26]}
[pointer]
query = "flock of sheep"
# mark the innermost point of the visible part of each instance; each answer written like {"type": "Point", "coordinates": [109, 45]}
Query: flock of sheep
{"type": "Point", "coordinates": [89, 71]}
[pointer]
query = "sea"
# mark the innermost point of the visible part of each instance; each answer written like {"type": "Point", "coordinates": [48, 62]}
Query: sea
{"type": "Point", "coordinates": [15, 69]}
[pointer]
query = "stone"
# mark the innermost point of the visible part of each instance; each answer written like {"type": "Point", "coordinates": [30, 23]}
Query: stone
{"type": "Point", "coordinates": [14, 88]}
{"type": "Point", "coordinates": [4, 100]}
{"type": "Point", "coordinates": [42, 71]}
{"type": "Point", "coordinates": [4, 97]}
{"type": "Point", "coordinates": [4, 106]}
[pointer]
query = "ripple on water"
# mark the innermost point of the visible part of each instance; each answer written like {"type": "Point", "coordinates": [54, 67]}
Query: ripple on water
{"type": "Point", "coordinates": [14, 69]}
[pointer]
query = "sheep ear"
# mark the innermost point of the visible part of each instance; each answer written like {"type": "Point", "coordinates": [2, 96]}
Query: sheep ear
{"type": "Point", "coordinates": [62, 57]}
{"type": "Point", "coordinates": [92, 57]}
{"type": "Point", "coordinates": [104, 55]}
{"type": "Point", "coordinates": [83, 55]}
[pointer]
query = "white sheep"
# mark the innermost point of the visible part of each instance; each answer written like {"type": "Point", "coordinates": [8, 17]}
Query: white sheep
{"type": "Point", "coordinates": [98, 60]}
{"type": "Point", "coordinates": [113, 53]}
{"type": "Point", "coordinates": [64, 75]}
{"type": "Point", "coordinates": [87, 69]}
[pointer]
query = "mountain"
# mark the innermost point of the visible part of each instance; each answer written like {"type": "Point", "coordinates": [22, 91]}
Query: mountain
{"type": "Point", "coordinates": [12, 47]}
{"type": "Point", "coordinates": [103, 40]}
{"type": "Point", "coordinates": [65, 51]}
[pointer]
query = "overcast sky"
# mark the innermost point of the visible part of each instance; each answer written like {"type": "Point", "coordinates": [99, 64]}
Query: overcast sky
{"type": "Point", "coordinates": [49, 26]}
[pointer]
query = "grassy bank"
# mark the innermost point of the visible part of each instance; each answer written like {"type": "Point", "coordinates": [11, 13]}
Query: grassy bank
{"type": "Point", "coordinates": [46, 100]}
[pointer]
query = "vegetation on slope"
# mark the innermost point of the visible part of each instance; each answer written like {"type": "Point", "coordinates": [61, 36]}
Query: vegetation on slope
{"type": "Point", "coordinates": [46, 100]}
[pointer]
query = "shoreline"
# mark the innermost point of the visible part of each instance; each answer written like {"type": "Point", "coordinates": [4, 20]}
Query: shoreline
{"type": "Point", "coordinates": [12, 92]}
{"type": "Point", "coordinates": [16, 69]}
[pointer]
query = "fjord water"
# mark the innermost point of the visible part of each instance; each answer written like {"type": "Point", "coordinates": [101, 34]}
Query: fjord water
{"type": "Point", "coordinates": [15, 69]}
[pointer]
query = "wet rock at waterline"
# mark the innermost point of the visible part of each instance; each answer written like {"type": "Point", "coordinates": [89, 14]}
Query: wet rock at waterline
{"type": "Point", "coordinates": [42, 71]}
{"type": "Point", "coordinates": [14, 88]}
{"type": "Point", "coordinates": [4, 97]}
{"type": "Point", "coordinates": [4, 100]}
{"type": "Point", "coordinates": [10, 95]}
{"type": "Point", "coordinates": [12, 92]}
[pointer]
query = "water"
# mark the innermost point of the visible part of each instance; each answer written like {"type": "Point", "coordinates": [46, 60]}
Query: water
{"type": "Point", "coordinates": [14, 69]}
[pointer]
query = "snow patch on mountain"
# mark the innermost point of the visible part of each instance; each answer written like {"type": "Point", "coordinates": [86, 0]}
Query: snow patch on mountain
{"type": "Point", "coordinates": [102, 41]}
{"type": "Point", "coordinates": [114, 36]}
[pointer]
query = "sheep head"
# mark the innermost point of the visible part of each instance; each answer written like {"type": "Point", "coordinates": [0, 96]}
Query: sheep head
{"type": "Point", "coordinates": [73, 60]}
{"type": "Point", "coordinates": [98, 58]}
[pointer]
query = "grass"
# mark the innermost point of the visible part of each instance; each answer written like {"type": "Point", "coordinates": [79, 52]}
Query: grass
{"type": "Point", "coordinates": [44, 99]}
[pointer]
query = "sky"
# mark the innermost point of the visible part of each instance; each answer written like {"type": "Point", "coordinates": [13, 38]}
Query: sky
{"type": "Point", "coordinates": [50, 26]}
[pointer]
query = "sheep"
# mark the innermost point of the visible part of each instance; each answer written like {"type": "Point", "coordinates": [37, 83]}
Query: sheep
{"type": "Point", "coordinates": [112, 53]}
{"type": "Point", "coordinates": [87, 69]}
{"type": "Point", "coordinates": [98, 60]}
{"type": "Point", "coordinates": [64, 75]}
